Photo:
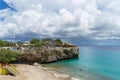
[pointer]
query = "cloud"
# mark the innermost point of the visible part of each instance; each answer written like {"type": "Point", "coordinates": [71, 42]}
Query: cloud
{"type": "Point", "coordinates": [94, 19]}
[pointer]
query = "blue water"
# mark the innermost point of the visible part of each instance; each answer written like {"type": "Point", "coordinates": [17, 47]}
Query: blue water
{"type": "Point", "coordinates": [94, 63]}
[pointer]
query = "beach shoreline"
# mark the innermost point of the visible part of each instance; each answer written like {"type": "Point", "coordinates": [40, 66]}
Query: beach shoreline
{"type": "Point", "coordinates": [37, 72]}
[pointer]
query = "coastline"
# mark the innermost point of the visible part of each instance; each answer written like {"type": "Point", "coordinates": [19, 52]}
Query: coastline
{"type": "Point", "coordinates": [37, 72]}
{"type": "Point", "coordinates": [41, 51]}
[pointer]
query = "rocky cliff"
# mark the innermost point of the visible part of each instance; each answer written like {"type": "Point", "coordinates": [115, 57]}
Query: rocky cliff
{"type": "Point", "coordinates": [44, 55]}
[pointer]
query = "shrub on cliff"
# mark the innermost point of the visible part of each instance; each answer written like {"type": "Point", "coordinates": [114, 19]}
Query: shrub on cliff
{"type": "Point", "coordinates": [36, 42]}
{"type": "Point", "coordinates": [58, 41]}
{"type": "Point", "coordinates": [47, 42]}
{"type": "Point", "coordinates": [7, 56]}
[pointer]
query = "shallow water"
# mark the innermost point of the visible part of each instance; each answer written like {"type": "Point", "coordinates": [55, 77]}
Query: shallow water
{"type": "Point", "coordinates": [94, 63]}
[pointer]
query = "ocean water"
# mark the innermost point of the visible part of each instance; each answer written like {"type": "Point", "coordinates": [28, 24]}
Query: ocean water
{"type": "Point", "coordinates": [94, 63]}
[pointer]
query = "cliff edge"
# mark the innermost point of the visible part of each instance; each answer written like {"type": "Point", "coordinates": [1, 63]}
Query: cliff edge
{"type": "Point", "coordinates": [45, 55]}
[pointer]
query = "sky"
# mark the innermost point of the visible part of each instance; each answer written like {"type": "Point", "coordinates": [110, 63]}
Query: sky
{"type": "Point", "coordinates": [96, 20]}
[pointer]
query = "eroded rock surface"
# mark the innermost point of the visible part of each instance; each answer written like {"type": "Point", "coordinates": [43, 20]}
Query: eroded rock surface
{"type": "Point", "coordinates": [44, 55]}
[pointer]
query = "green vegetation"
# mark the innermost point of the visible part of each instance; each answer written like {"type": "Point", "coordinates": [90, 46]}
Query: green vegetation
{"type": "Point", "coordinates": [36, 42]}
{"type": "Point", "coordinates": [45, 42]}
{"type": "Point", "coordinates": [3, 43]}
{"type": "Point", "coordinates": [7, 56]}
{"type": "Point", "coordinates": [6, 43]}
{"type": "Point", "coordinates": [58, 41]}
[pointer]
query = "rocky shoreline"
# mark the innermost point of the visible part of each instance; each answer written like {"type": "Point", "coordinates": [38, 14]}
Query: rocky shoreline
{"type": "Point", "coordinates": [41, 52]}
{"type": "Point", "coordinates": [46, 55]}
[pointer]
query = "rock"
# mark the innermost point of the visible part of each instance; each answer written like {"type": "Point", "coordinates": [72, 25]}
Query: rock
{"type": "Point", "coordinates": [45, 55]}
{"type": "Point", "coordinates": [80, 69]}
{"type": "Point", "coordinates": [36, 64]}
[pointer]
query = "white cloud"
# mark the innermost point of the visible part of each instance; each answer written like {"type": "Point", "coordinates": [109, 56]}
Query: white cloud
{"type": "Point", "coordinates": [97, 19]}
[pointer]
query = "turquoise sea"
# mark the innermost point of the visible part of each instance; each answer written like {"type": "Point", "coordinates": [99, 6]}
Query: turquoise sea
{"type": "Point", "coordinates": [94, 63]}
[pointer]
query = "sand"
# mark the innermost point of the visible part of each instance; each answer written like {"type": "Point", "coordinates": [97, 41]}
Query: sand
{"type": "Point", "coordinates": [36, 72]}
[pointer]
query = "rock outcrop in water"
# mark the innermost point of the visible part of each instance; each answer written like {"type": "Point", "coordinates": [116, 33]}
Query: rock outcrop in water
{"type": "Point", "coordinates": [45, 55]}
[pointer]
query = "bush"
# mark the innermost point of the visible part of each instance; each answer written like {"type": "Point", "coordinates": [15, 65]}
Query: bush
{"type": "Point", "coordinates": [34, 41]}
{"type": "Point", "coordinates": [58, 41]}
{"type": "Point", "coordinates": [47, 42]}
{"type": "Point", "coordinates": [3, 43]}
{"type": "Point", "coordinates": [7, 56]}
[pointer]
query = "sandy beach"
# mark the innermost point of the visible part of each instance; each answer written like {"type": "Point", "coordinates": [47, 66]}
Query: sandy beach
{"type": "Point", "coordinates": [36, 72]}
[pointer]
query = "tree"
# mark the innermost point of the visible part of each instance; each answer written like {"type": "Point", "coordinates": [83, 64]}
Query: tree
{"type": "Point", "coordinates": [3, 43]}
{"type": "Point", "coordinates": [58, 41]}
{"type": "Point", "coordinates": [39, 44]}
{"type": "Point", "coordinates": [7, 56]}
{"type": "Point", "coordinates": [34, 41]}
{"type": "Point", "coordinates": [48, 42]}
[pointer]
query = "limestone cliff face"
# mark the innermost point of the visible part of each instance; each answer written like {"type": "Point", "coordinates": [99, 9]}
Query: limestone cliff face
{"type": "Point", "coordinates": [45, 55]}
